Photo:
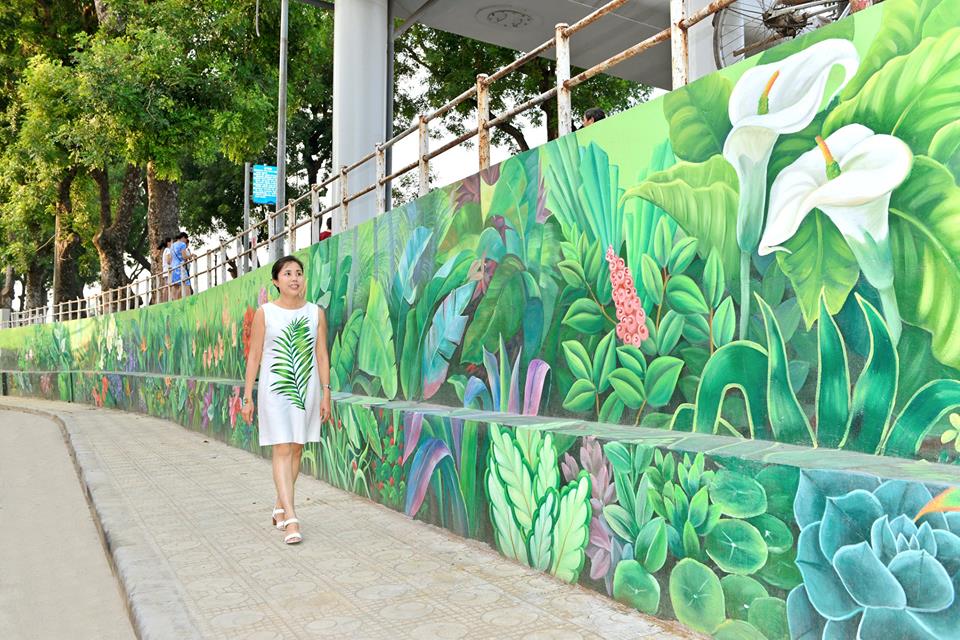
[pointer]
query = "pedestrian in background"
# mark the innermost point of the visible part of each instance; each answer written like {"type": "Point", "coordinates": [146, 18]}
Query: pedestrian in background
{"type": "Point", "coordinates": [180, 268]}
{"type": "Point", "coordinates": [288, 346]}
{"type": "Point", "coordinates": [592, 115]}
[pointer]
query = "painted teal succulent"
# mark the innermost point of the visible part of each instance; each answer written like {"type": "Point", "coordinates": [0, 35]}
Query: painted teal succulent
{"type": "Point", "coordinates": [871, 568]}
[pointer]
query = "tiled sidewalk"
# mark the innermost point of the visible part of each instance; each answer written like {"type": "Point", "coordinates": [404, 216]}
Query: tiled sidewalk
{"type": "Point", "coordinates": [187, 520]}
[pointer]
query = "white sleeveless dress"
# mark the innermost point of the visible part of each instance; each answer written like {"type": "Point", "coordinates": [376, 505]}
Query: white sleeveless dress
{"type": "Point", "coordinates": [288, 394]}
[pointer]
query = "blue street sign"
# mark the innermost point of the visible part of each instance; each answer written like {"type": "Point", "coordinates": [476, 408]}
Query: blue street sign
{"type": "Point", "coordinates": [264, 184]}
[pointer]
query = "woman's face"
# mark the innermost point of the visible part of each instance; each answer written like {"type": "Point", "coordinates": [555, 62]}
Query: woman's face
{"type": "Point", "coordinates": [290, 280]}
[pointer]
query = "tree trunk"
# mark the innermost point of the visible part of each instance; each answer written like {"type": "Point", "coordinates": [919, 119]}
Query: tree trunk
{"type": "Point", "coordinates": [549, 107]}
{"type": "Point", "coordinates": [34, 287]}
{"type": "Point", "coordinates": [163, 214]}
{"type": "Point", "coordinates": [66, 272]}
{"type": "Point", "coordinates": [6, 293]}
{"type": "Point", "coordinates": [111, 238]}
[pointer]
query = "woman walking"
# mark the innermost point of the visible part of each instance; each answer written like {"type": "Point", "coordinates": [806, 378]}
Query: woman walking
{"type": "Point", "coordinates": [288, 345]}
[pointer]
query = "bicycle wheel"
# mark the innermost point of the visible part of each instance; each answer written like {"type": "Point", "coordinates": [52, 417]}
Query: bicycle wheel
{"type": "Point", "coordinates": [748, 27]}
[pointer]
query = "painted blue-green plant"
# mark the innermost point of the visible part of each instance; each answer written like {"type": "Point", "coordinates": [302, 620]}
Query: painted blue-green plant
{"type": "Point", "coordinates": [871, 568]}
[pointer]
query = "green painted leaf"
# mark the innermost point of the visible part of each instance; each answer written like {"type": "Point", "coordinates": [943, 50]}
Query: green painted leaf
{"type": "Point", "coordinates": [684, 295]}
{"type": "Point", "coordinates": [443, 337]}
{"type": "Point", "coordinates": [621, 522]}
{"type": "Point", "coordinates": [581, 396]}
{"type": "Point", "coordinates": [737, 630]}
{"type": "Point", "coordinates": [682, 255]}
{"type": "Point", "coordinates": [703, 199]}
{"type": "Point", "coordinates": [924, 216]}
{"type": "Point", "coordinates": [651, 278]}
{"type": "Point", "coordinates": [696, 329]}
{"type": "Point", "coordinates": [584, 316]}
{"type": "Point", "coordinates": [696, 596]}
{"type": "Point", "coordinates": [506, 530]}
{"type": "Point", "coordinates": [635, 587]}
{"type": "Point", "coordinates": [661, 380]}
{"type": "Point", "coordinates": [774, 531]}
{"type": "Point", "coordinates": [737, 547]}
{"type": "Point", "coordinates": [507, 461]}
{"type": "Point", "coordinates": [697, 127]}
{"type": "Point", "coordinates": [724, 323]}
{"type": "Point", "coordinates": [923, 411]}
{"type": "Point", "coordinates": [901, 29]}
{"type": "Point", "coordinates": [875, 389]}
{"type": "Point", "coordinates": [662, 242]}
{"type": "Point", "coordinates": [713, 281]}
{"type": "Point", "coordinates": [612, 409]}
{"type": "Point", "coordinates": [945, 148]}
{"type": "Point", "coordinates": [691, 541]}
{"type": "Point", "coordinates": [604, 361]}
{"type": "Point", "coordinates": [789, 422]}
{"type": "Point", "coordinates": [496, 314]}
{"type": "Point", "coordinates": [781, 571]}
{"type": "Point", "coordinates": [769, 615]}
{"type": "Point", "coordinates": [343, 354]}
{"type": "Point", "coordinates": [628, 387]}
{"type": "Point", "coordinates": [619, 457]}
{"type": "Point", "coordinates": [540, 543]}
{"type": "Point", "coordinates": [737, 495]}
{"type": "Point", "coordinates": [293, 358]}
{"type": "Point", "coordinates": [650, 547]}
{"type": "Point", "coordinates": [671, 328]}
{"type": "Point", "coordinates": [577, 359]}
{"type": "Point", "coordinates": [739, 593]}
{"type": "Point", "coordinates": [738, 365]}
{"type": "Point", "coordinates": [376, 355]}
{"type": "Point", "coordinates": [633, 359]}
{"type": "Point", "coordinates": [833, 388]}
{"type": "Point", "coordinates": [548, 468]}
{"type": "Point", "coordinates": [572, 530]}
{"type": "Point", "coordinates": [819, 261]}
{"type": "Point", "coordinates": [780, 485]}
{"type": "Point", "coordinates": [410, 357]}
{"type": "Point", "coordinates": [912, 96]}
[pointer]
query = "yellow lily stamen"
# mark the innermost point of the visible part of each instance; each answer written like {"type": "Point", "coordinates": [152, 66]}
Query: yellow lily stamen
{"type": "Point", "coordinates": [764, 107]}
{"type": "Point", "coordinates": [833, 167]}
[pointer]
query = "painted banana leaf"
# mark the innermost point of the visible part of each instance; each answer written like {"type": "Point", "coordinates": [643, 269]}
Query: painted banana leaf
{"type": "Point", "coordinates": [293, 362]}
{"type": "Point", "coordinates": [433, 455]}
{"type": "Point", "coordinates": [445, 333]}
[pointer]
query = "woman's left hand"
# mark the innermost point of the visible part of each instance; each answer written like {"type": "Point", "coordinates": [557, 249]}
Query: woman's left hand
{"type": "Point", "coordinates": [325, 407]}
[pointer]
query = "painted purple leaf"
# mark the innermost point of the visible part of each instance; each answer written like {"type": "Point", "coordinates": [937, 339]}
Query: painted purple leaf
{"type": "Point", "coordinates": [442, 339]}
{"type": "Point", "coordinates": [493, 377]}
{"type": "Point", "coordinates": [536, 375]}
{"type": "Point", "coordinates": [569, 467]}
{"type": "Point", "coordinates": [412, 424]}
{"type": "Point", "coordinates": [428, 457]}
{"type": "Point", "coordinates": [476, 388]}
{"type": "Point", "coordinates": [599, 549]}
{"type": "Point", "coordinates": [456, 432]}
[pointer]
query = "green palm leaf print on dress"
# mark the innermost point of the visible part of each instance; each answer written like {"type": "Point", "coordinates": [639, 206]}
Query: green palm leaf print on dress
{"type": "Point", "coordinates": [292, 364]}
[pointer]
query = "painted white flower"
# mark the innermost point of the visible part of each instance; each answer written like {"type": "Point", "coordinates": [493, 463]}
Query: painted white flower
{"type": "Point", "coordinates": [849, 176]}
{"type": "Point", "coordinates": [773, 99]}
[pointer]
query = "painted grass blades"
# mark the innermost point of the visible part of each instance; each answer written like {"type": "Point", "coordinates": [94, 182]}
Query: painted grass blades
{"type": "Point", "coordinates": [738, 365]}
{"type": "Point", "coordinates": [787, 419]}
{"type": "Point", "coordinates": [923, 411]}
{"type": "Point", "coordinates": [876, 388]}
{"type": "Point", "coordinates": [293, 362]}
{"type": "Point", "coordinates": [833, 384]}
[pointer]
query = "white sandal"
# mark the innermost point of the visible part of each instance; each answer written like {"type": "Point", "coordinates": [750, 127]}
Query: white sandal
{"type": "Point", "coordinates": [277, 523]}
{"type": "Point", "coordinates": [291, 538]}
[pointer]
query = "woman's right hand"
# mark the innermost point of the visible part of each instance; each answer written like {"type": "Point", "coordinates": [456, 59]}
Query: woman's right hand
{"type": "Point", "coordinates": [246, 412]}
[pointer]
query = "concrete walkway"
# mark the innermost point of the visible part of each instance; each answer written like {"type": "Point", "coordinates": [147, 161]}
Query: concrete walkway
{"type": "Point", "coordinates": [187, 523]}
{"type": "Point", "coordinates": [55, 581]}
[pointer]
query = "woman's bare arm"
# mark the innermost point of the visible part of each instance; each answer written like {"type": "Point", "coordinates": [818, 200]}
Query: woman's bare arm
{"type": "Point", "coordinates": [253, 361]}
{"type": "Point", "coordinates": [323, 363]}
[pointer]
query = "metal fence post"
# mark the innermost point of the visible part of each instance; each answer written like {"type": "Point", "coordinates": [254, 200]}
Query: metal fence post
{"type": "Point", "coordinates": [564, 103]}
{"type": "Point", "coordinates": [314, 214]}
{"type": "Point", "coordinates": [291, 226]}
{"type": "Point", "coordinates": [223, 263]}
{"type": "Point", "coordinates": [344, 215]}
{"type": "Point", "coordinates": [483, 116]}
{"type": "Point", "coordinates": [423, 162]}
{"type": "Point", "coordinates": [381, 186]}
{"type": "Point", "coordinates": [679, 53]}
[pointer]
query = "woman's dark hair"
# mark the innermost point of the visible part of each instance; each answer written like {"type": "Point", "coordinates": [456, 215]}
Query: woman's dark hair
{"type": "Point", "coordinates": [278, 265]}
{"type": "Point", "coordinates": [182, 236]}
{"type": "Point", "coordinates": [164, 243]}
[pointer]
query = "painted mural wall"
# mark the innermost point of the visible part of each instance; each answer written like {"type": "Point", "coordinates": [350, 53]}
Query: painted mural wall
{"type": "Point", "coordinates": [753, 278]}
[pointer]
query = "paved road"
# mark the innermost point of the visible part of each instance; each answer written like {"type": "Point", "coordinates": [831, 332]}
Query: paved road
{"type": "Point", "coordinates": [55, 580]}
{"type": "Point", "coordinates": [188, 521]}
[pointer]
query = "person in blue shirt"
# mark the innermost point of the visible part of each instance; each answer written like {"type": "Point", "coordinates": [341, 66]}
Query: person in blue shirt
{"type": "Point", "coordinates": [180, 259]}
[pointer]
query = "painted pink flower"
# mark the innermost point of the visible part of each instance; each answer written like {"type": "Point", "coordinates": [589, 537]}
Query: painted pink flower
{"type": "Point", "coordinates": [264, 296]}
{"type": "Point", "coordinates": [631, 325]}
{"type": "Point", "coordinates": [235, 405]}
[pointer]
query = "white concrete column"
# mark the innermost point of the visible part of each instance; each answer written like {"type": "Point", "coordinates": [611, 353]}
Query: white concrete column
{"type": "Point", "coordinates": [359, 96]}
{"type": "Point", "coordinates": [700, 43]}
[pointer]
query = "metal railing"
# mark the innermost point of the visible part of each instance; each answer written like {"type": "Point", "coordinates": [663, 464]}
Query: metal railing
{"type": "Point", "coordinates": [153, 288]}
